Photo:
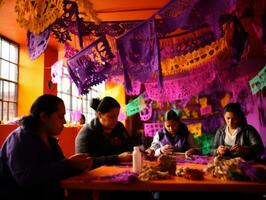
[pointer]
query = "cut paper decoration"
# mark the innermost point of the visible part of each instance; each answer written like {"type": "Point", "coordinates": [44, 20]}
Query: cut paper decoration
{"type": "Point", "coordinates": [69, 51]}
{"type": "Point", "coordinates": [135, 89]}
{"type": "Point", "coordinates": [183, 87]}
{"type": "Point", "coordinates": [37, 15]}
{"type": "Point", "coordinates": [138, 50]}
{"type": "Point", "coordinates": [135, 106]}
{"type": "Point", "coordinates": [57, 71]}
{"type": "Point", "coordinates": [114, 29]}
{"type": "Point", "coordinates": [203, 102]}
{"type": "Point", "coordinates": [194, 59]}
{"type": "Point", "coordinates": [184, 43]}
{"type": "Point", "coordinates": [259, 81]}
{"type": "Point", "coordinates": [90, 14]}
{"type": "Point", "coordinates": [60, 27]}
{"type": "Point", "coordinates": [146, 113]}
{"type": "Point", "coordinates": [206, 110]}
{"type": "Point", "coordinates": [262, 76]}
{"type": "Point", "coordinates": [226, 99]}
{"type": "Point", "coordinates": [151, 128]}
{"type": "Point", "coordinates": [195, 129]}
{"type": "Point", "coordinates": [255, 84]}
{"type": "Point", "coordinates": [90, 66]}
{"type": "Point", "coordinates": [37, 43]}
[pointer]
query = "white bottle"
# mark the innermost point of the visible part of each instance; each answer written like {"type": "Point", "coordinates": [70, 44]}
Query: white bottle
{"type": "Point", "coordinates": [137, 160]}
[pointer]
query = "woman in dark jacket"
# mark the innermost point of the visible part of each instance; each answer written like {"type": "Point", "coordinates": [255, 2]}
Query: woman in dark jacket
{"type": "Point", "coordinates": [237, 138]}
{"type": "Point", "coordinates": [105, 138]}
{"type": "Point", "coordinates": [31, 161]}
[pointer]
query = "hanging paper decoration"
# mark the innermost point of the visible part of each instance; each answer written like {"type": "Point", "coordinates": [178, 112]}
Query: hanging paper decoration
{"type": "Point", "coordinates": [135, 106]}
{"type": "Point", "coordinates": [90, 66]}
{"type": "Point", "coordinates": [259, 81]}
{"type": "Point", "coordinates": [135, 89]}
{"type": "Point", "coordinates": [192, 14]}
{"type": "Point", "coordinates": [139, 54]}
{"type": "Point", "coordinates": [37, 15]}
{"type": "Point", "coordinates": [69, 51]}
{"type": "Point", "coordinates": [205, 109]}
{"type": "Point", "coordinates": [114, 29]}
{"type": "Point", "coordinates": [146, 113]}
{"type": "Point", "coordinates": [151, 128]}
{"type": "Point", "coordinates": [60, 26]}
{"type": "Point", "coordinates": [187, 62]}
{"type": "Point", "coordinates": [184, 43]}
{"type": "Point", "coordinates": [57, 71]}
{"type": "Point", "coordinates": [37, 43]}
{"type": "Point", "coordinates": [90, 14]}
{"type": "Point", "coordinates": [195, 129]}
{"type": "Point", "coordinates": [183, 87]}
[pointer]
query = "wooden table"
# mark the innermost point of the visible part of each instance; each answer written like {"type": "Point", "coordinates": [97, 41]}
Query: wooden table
{"type": "Point", "coordinates": [77, 187]}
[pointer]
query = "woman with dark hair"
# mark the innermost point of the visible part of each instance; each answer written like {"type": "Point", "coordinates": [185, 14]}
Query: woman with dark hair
{"type": "Point", "coordinates": [237, 137]}
{"type": "Point", "coordinates": [174, 137]}
{"type": "Point", "coordinates": [31, 161]}
{"type": "Point", "coordinates": [105, 138]}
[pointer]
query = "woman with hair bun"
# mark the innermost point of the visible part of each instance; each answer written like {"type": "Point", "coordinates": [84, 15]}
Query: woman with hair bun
{"type": "Point", "coordinates": [105, 138]}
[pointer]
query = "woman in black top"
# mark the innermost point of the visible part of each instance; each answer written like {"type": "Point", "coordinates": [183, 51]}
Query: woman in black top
{"type": "Point", "coordinates": [105, 138]}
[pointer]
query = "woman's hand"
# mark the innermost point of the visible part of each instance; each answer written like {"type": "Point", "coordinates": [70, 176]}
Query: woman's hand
{"type": "Point", "coordinates": [190, 152]}
{"type": "Point", "coordinates": [167, 149]}
{"type": "Point", "coordinates": [150, 152]}
{"type": "Point", "coordinates": [240, 149]}
{"type": "Point", "coordinates": [125, 157]}
{"type": "Point", "coordinates": [222, 150]}
{"type": "Point", "coordinates": [81, 161]}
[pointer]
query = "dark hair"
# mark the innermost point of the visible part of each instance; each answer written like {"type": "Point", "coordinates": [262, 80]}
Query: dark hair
{"type": "Point", "coordinates": [171, 115]}
{"type": "Point", "coordinates": [46, 103]}
{"type": "Point", "coordinates": [236, 109]}
{"type": "Point", "coordinates": [104, 105]}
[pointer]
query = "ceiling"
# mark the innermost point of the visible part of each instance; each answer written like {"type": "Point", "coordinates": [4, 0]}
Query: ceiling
{"type": "Point", "coordinates": [107, 10]}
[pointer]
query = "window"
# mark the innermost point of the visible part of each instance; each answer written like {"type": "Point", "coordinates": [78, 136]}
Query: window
{"type": "Point", "coordinates": [8, 79]}
{"type": "Point", "coordinates": [76, 104]}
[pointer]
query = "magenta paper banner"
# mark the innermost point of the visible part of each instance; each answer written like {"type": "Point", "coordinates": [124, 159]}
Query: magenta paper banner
{"type": "Point", "coordinates": [151, 128]}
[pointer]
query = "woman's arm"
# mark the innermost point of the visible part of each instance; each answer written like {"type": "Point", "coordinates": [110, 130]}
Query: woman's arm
{"type": "Point", "coordinates": [82, 141]}
{"type": "Point", "coordinates": [156, 145]}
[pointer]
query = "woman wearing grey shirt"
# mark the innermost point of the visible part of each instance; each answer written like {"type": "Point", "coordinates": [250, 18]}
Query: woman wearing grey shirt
{"type": "Point", "coordinates": [237, 138]}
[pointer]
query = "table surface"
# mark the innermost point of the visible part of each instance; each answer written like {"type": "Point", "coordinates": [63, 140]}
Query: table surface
{"type": "Point", "coordinates": [91, 181]}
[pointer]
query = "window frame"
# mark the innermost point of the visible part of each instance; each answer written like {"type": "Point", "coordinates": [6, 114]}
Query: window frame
{"type": "Point", "coordinates": [5, 110]}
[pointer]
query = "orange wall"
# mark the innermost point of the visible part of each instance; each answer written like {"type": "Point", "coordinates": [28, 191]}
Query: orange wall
{"type": "Point", "coordinates": [50, 57]}
{"type": "Point", "coordinates": [34, 77]}
{"type": "Point", "coordinates": [116, 91]}
{"type": "Point", "coordinates": [30, 80]}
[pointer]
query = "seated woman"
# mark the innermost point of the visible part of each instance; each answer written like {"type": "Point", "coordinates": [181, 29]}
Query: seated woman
{"type": "Point", "coordinates": [31, 161]}
{"type": "Point", "coordinates": [175, 137]}
{"type": "Point", "coordinates": [82, 119]}
{"type": "Point", "coordinates": [237, 138]}
{"type": "Point", "coordinates": [104, 138]}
